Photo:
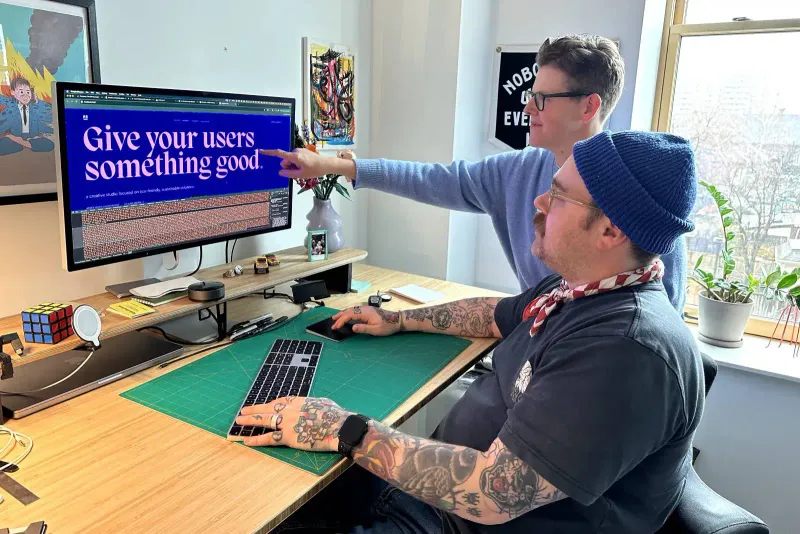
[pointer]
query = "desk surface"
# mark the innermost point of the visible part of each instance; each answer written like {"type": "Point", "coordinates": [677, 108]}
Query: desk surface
{"type": "Point", "coordinates": [101, 463]}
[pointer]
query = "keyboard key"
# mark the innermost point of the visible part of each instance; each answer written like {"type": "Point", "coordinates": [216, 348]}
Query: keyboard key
{"type": "Point", "coordinates": [309, 349]}
{"type": "Point", "coordinates": [301, 347]}
{"type": "Point", "coordinates": [304, 390]}
{"type": "Point", "coordinates": [235, 430]}
{"type": "Point", "coordinates": [247, 431]}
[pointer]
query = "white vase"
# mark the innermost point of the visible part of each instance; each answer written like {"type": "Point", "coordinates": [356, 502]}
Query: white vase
{"type": "Point", "coordinates": [323, 217]}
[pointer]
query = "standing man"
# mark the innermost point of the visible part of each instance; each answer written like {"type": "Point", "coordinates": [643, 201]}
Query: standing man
{"type": "Point", "coordinates": [579, 82]}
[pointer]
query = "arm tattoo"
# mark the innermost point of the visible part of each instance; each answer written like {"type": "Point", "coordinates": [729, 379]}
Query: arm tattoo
{"type": "Point", "coordinates": [319, 420]}
{"type": "Point", "coordinates": [482, 487]}
{"type": "Point", "coordinates": [429, 471]}
{"type": "Point", "coordinates": [470, 317]}
{"type": "Point", "coordinates": [513, 486]}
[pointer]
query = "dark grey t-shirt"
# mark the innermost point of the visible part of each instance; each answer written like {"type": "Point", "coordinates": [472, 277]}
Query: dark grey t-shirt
{"type": "Point", "coordinates": [606, 410]}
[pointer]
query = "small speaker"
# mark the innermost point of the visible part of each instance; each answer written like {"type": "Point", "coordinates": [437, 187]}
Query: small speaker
{"type": "Point", "coordinates": [205, 291]}
{"type": "Point", "coordinates": [86, 323]}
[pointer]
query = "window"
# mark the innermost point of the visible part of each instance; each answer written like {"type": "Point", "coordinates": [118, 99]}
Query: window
{"type": "Point", "coordinates": [731, 88]}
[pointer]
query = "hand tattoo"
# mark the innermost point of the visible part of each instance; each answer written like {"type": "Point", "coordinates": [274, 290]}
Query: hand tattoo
{"type": "Point", "coordinates": [357, 310]}
{"type": "Point", "coordinates": [388, 316]}
{"type": "Point", "coordinates": [277, 435]}
{"type": "Point", "coordinates": [470, 318]}
{"type": "Point", "coordinates": [258, 417]}
{"type": "Point", "coordinates": [514, 487]}
{"type": "Point", "coordinates": [319, 420]}
{"type": "Point", "coordinates": [280, 406]}
{"type": "Point", "coordinates": [474, 512]}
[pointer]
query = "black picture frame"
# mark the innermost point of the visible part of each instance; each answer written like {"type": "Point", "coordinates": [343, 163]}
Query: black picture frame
{"type": "Point", "coordinates": [94, 67]}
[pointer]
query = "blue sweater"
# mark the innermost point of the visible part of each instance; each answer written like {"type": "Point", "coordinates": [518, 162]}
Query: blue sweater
{"type": "Point", "coordinates": [503, 187]}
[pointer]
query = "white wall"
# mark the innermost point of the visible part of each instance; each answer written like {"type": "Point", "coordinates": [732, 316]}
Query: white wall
{"type": "Point", "coordinates": [414, 72]}
{"type": "Point", "coordinates": [244, 46]}
{"type": "Point", "coordinates": [472, 107]}
{"type": "Point", "coordinates": [530, 22]}
{"type": "Point", "coordinates": [748, 441]}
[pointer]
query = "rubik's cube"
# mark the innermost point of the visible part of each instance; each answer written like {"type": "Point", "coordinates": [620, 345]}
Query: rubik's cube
{"type": "Point", "coordinates": [49, 322]}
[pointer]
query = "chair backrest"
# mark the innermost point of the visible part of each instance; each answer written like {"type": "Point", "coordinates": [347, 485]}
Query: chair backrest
{"type": "Point", "coordinates": [709, 370]}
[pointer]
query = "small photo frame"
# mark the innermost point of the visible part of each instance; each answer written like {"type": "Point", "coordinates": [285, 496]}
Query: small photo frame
{"type": "Point", "coordinates": [317, 245]}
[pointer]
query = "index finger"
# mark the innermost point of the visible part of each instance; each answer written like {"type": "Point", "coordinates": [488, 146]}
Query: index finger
{"type": "Point", "coordinates": [342, 318]}
{"type": "Point", "coordinates": [278, 153]}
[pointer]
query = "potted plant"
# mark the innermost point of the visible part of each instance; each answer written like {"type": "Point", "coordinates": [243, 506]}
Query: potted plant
{"type": "Point", "coordinates": [783, 287]}
{"type": "Point", "coordinates": [322, 215]}
{"type": "Point", "coordinates": [724, 303]}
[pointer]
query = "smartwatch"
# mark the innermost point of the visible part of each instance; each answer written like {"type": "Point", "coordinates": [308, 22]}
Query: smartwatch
{"type": "Point", "coordinates": [352, 432]}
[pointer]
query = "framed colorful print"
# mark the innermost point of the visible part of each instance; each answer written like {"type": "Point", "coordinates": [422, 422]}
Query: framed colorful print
{"type": "Point", "coordinates": [329, 100]}
{"type": "Point", "coordinates": [317, 245]}
{"type": "Point", "coordinates": [41, 41]}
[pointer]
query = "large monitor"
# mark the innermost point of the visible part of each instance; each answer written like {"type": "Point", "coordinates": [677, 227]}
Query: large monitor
{"type": "Point", "coordinates": [143, 171]}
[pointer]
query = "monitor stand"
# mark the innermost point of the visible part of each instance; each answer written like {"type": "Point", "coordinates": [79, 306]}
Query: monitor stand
{"type": "Point", "coordinates": [124, 289]}
{"type": "Point", "coordinates": [117, 357]}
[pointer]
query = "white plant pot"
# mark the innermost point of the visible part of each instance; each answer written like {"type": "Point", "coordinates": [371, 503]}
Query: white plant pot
{"type": "Point", "coordinates": [722, 323]}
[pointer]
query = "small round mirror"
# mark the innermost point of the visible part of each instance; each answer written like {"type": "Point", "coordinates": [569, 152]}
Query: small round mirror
{"type": "Point", "coordinates": [86, 323]}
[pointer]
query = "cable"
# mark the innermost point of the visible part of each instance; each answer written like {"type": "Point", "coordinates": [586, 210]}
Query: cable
{"type": "Point", "coordinates": [175, 255]}
{"type": "Point", "coordinates": [54, 383]}
{"type": "Point", "coordinates": [233, 249]}
{"type": "Point", "coordinates": [199, 263]}
{"type": "Point", "coordinates": [227, 242]}
{"type": "Point", "coordinates": [174, 338]}
{"type": "Point", "coordinates": [15, 438]}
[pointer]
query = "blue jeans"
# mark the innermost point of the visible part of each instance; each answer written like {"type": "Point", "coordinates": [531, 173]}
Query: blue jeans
{"type": "Point", "coordinates": [358, 502]}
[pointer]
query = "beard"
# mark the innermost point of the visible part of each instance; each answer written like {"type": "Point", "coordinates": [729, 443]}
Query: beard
{"type": "Point", "coordinates": [537, 247]}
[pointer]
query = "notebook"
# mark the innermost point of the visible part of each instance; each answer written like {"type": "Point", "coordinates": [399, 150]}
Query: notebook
{"type": "Point", "coordinates": [158, 301]}
{"type": "Point", "coordinates": [417, 294]}
{"type": "Point", "coordinates": [153, 291]}
{"type": "Point", "coordinates": [131, 309]}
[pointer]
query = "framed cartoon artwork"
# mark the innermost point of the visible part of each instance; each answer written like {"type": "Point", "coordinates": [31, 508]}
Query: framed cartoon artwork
{"type": "Point", "coordinates": [329, 100]}
{"type": "Point", "coordinates": [41, 41]}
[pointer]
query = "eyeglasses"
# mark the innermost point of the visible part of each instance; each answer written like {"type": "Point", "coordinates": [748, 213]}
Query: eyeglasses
{"type": "Point", "coordinates": [555, 194]}
{"type": "Point", "coordinates": [540, 98]}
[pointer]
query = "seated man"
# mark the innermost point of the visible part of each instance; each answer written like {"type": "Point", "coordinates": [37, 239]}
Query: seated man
{"type": "Point", "coordinates": [586, 423]}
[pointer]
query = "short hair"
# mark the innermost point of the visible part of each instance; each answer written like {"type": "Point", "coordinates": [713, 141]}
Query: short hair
{"type": "Point", "coordinates": [592, 64]}
{"type": "Point", "coordinates": [19, 80]}
{"type": "Point", "coordinates": [639, 254]}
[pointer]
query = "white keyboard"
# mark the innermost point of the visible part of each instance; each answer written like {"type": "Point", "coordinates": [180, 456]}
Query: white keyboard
{"type": "Point", "coordinates": [159, 289]}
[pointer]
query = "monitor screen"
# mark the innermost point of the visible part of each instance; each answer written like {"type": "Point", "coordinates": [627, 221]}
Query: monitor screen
{"type": "Point", "coordinates": [144, 171]}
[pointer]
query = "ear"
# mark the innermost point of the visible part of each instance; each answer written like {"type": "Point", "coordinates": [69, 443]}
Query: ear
{"type": "Point", "coordinates": [611, 236]}
{"type": "Point", "coordinates": [592, 106]}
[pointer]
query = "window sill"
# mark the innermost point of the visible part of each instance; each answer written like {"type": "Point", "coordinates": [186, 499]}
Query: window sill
{"type": "Point", "coordinates": [755, 357]}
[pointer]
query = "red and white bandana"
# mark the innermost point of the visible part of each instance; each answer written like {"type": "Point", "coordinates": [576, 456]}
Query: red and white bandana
{"type": "Point", "coordinates": [543, 305]}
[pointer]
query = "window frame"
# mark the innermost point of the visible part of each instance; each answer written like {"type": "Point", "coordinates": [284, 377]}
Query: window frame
{"type": "Point", "coordinates": [674, 30]}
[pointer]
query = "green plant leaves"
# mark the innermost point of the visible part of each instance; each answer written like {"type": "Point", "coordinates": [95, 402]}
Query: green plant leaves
{"type": "Point", "coordinates": [727, 221]}
{"type": "Point", "coordinates": [343, 191]}
{"type": "Point", "coordinates": [787, 281]}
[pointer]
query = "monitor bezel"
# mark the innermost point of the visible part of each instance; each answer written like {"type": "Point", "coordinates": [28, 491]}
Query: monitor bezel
{"type": "Point", "coordinates": [62, 171]}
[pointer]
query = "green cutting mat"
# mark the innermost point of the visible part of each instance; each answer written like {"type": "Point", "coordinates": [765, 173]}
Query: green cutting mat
{"type": "Point", "coordinates": [363, 374]}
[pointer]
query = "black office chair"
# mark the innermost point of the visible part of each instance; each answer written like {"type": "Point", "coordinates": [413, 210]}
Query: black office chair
{"type": "Point", "coordinates": [704, 511]}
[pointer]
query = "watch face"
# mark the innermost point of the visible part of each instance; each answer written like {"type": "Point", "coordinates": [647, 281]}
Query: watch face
{"type": "Point", "coordinates": [353, 430]}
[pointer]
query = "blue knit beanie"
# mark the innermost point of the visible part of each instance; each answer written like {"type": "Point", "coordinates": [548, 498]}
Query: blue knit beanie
{"type": "Point", "coordinates": [644, 182]}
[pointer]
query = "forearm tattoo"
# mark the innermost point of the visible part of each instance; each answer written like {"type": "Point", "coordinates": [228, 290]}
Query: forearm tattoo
{"type": "Point", "coordinates": [469, 318]}
{"type": "Point", "coordinates": [447, 477]}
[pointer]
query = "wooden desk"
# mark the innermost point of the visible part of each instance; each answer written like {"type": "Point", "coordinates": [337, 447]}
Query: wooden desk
{"type": "Point", "coordinates": [101, 463]}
